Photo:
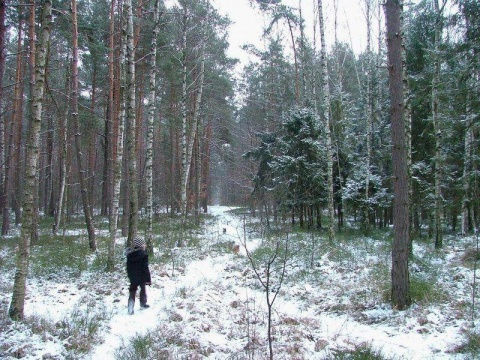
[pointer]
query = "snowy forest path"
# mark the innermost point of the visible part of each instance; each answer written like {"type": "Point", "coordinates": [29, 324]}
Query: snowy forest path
{"type": "Point", "coordinates": [198, 294]}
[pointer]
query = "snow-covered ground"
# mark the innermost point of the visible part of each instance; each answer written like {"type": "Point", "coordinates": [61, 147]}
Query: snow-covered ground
{"type": "Point", "coordinates": [211, 304]}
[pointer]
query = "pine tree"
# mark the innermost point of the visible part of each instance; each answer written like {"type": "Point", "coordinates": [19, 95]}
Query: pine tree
{"type": "Point", "coordinates": [400, 272]}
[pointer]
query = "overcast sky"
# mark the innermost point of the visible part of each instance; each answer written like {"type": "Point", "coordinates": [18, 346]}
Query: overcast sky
{"type": "Point", "coordinates": [248, 23]}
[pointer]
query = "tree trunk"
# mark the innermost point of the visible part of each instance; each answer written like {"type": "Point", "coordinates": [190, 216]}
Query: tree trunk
{"type": "Point", "coordinates": [183, 174]}
{"type": "Point", "coordinates": [6, 198]}
{"type": "Point", "coordinates": [295, 61]}
{"type": "Point", "coordinates": [49, 204]}
{"type": "Point", "coordinates": [303, 52]}
{"type": "Point", "coordinates": [205, 179]}
{"type": "Point", "coordinates": [107, 188]}
{"type": "Point", "coordinates": [3, 31]}
{"type": "Point", "coordinates": [341, 115]}
{"type": "Point", "coordinates": [17, 305]}
{"type": "Point", "coordinates": [438, 218]}
{"type": "Point", "coordinates": [326, 116]}
{"type": "Point", "coordinates": [18, 155]}
{"type": "Point", "coordinates": [194, 130]}
{"type": "Point", "coordinates": [368, 116]}
{"type": "Point", "coordinates": [197, 163]}
{"type": "Point", "coordinates": [78, 146]}
{"type": "Point", "coordinates": [467, 222]}
{"type": "Point", "coordinates": [117, 156]}
{"type": "Point", "coordinates": [151, 117]}
{"type": "Point", "coordinates": [63, 139]}
{"type": "Point", "coordinates": [131, 126]}
{"type": "Point", "coordinates": [92, 138]}
{"type": "Point", "coordinates": [408, 143]}
{"type": "Point", "coordinates": [400, 274]}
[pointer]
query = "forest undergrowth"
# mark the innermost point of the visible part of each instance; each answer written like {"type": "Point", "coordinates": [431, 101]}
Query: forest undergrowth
{"type": "Point", "coordinates": [332, 299]}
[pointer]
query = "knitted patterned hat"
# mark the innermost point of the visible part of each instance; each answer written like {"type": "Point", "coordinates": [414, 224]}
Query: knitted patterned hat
{"type": "Point", "coordinates": [138, 242]}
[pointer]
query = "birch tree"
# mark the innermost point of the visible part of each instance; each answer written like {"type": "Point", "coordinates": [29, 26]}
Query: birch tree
{"type": "Point", "coordinates": [338, 109]}
{"type": "Point", "coordinates": [195, 122]}
{"type": "Point", "coordinates": [368, 112]}
{"type": "Point", "coordinates": [18, 181]}
{"type": "Point", "coordinates": [408, 138]}
{"type": "Point", "coordinates": [326, 117]}
{"type": "Point", "coordinates": [303, 51]}
{"type": "Point", "coordinates": [399, 273]}
{"type": "Point", "coordinates": [117, 156]}
{"type": "Point", "coordinates": [183, 174]}
{"type": "Point", "coordinates": [467, 220]}
{"type": "Point", "coordinates": [63, 139]}
{"type": "Point", "coordinates": [131, 125]}
{"type": "Point", "coordinates": [108, 172]}
{"type": "Point", "coordinates": [150, 128]}
{"type": "Point", "coordinates": [17, 305]}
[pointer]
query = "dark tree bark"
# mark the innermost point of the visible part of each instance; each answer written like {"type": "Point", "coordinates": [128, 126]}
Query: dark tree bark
{"type": "Point", "coordinates": [2, 119]}
{"type": "Point", "coordinates": [400, 274]}
{"type": "Point", "coordinates": [16, 118]}
{"type": "Point", "coordinates": [118, 148]}
{"type": "Point", "coordinates": [87, 210]}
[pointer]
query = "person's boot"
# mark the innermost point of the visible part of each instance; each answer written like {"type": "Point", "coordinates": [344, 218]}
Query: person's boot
{"type": "Point", "coordinates": [144, 306]}
{"type": "Point", "coordinates": [131, 304]}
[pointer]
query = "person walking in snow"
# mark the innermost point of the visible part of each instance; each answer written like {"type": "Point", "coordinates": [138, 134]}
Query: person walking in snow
{"type": "Point", "coordinates": [138, 273]}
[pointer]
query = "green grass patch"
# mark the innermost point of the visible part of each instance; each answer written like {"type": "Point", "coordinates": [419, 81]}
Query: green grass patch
{"type": "Point", "coordinates": [471, 345]}
{"type": "Point", "coordinates": [61, 255]}
{"type": "Point", "coordinates": [239, 211]}
{"type": "Point", "coordinates": [470, 256]}
{"type": "Point", "coordinates": [80, 328]}
{"type": "Point", "coordinates": [7, 256]}
{"type": "Point", "coordinates": [426, 290]}
{"type": "Point", "coordinates": [270, 249]}
{"type": "Point", "coordinates": [139, 347]}
{"type": "Point", "coordinates": [41, 326]}
{"type": "Point", "coordinates": [360, 352]}
{"type": "Point", "coordinates": [166, 342]}
{"type": "Point", "coordinates": [224, 247]}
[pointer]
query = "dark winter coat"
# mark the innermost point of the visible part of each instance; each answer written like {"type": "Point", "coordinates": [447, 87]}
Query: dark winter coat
{"type": "Point", "coordinates": [137, 267]}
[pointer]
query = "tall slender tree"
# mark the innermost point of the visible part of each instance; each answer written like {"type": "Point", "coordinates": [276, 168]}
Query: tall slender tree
{"type": "Point", "coordinates": [63, 140]}
{"type": "Point", "coordinates": [3, 32]}
{"type": "Point", "coordinates": [117, 156]}
{"type": "Point", "coordinates": [87, 206]}
{"type": "Point", "coordinates": [131, 125]}
{"type": "Point", "coordinates": [109, 119]}
{"type": "Point", "coordinates": [13, 128]}
{"type": "Point", "coordinates": [408, 135]}
{"type": "Point", "coordinates": [438, 208]}
{"type": "Point", "coordinates": [368, 113]}
{"type": "Point", "coordinates": [400, 272]}
{"type": "Point", "coordinates": [326, 119]}
{"type": "Point", "coordinates": [470, 11]}
{"type": "Point", "coordinates": [183, 174]}
{"type": "Point", "coordinates": [150, 126]}
{"type": "Point", "coordinates": [17, 305]}
{"type": "Point", "coordinates": [195, 120]}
